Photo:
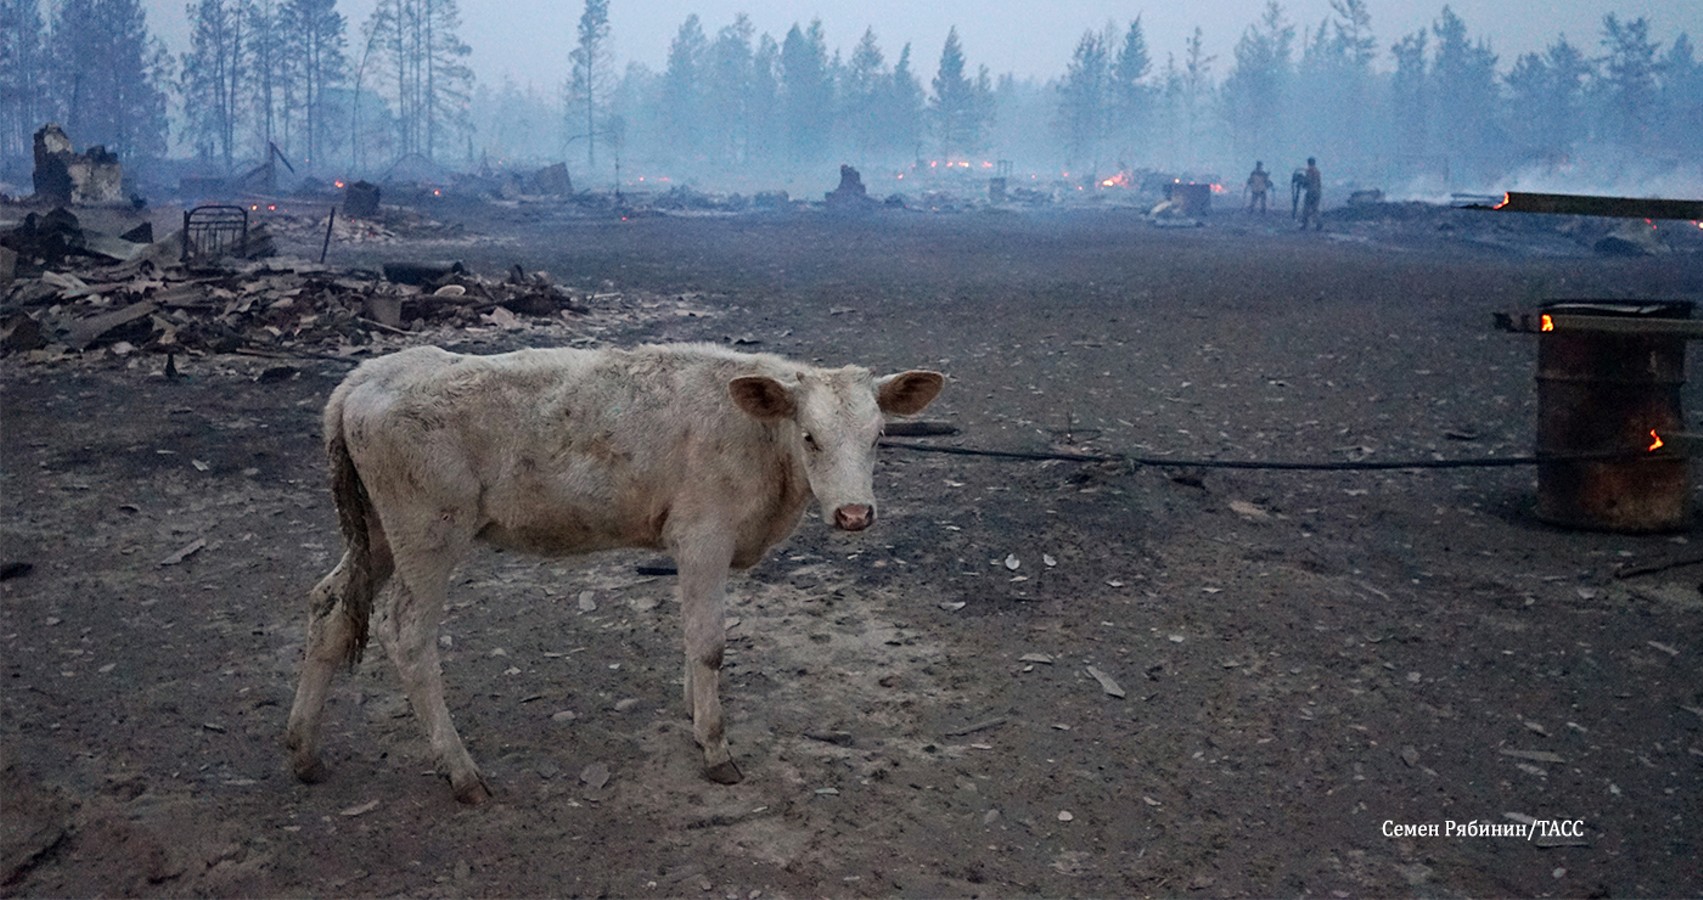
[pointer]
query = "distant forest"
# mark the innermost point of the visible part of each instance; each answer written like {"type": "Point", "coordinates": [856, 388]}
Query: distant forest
{"type": "Point", "coordinates": [734, 106]}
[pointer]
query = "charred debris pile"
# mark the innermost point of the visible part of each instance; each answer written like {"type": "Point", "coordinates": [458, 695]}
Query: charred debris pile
{"type": "Point", "coordinates": [66, 289]}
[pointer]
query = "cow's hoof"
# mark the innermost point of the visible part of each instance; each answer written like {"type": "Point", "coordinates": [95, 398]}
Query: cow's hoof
{"type": "Point", "coordinates": [308, 771]}
{"type": "Point", "coordinates": [724, 773]}
{"type": "Point", "coordinates": [471, 791]}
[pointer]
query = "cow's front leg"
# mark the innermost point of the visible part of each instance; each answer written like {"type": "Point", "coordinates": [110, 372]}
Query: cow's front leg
{"type": "Point", "coordinates": [703, 581]}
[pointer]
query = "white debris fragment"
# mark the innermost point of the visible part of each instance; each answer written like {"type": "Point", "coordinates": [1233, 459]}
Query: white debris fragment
{"type": "Point", "coordinates": [185, 552]}
{"type": "Point", "coordinates": [1106, 683]}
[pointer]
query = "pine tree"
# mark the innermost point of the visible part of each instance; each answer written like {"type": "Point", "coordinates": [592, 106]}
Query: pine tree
{"type": "Point", "coordinates": [864, 90]}
{"type": "Point", "coordinates": [902, 111]}
{"type": "Point", "coordinates": [727, 101]}
{"type": "Point", "coordinates": [1255, 94]}
{"type": "Point", "coordinates": [314, 36]}
{"type": "Point", "coordinates": [214, 74]}
{"type": "Point", "coordinates": [417, 46]}
{"type": "Point", "coordinates": [1465, 73]}
{"type": "Point", "coordinates": [1629, 78]}
{"type": "Point", "coordinates": [1197, 89]}
{"type": "Point", "coordinates": [1171, 91]}
{"type": "Point", "coordinates": [1545, 94]}
{"type": "Point", "coordinates": [590, 78]}
{"type": "Point", "coordinates": [1681, 97]}
{"type": "Point", "coordinates": [23, 88]}
{"type": "Point", "coordinates": [959, 106]}
{"type": "Point", "coordinates": [268, 71]}
{"type": "Point", "coordinates": [1131, 97]}
{"type": "Point", "coordinates": [108, 73]}
{"type": "Point", "coordinates": [448, 86]}
{"type": "Point", "coordinates": [807, 92]}
{"type": "Point", "coordinates": [1084, 100]}
{"type": "Point", "coordinates": [1409, 94]}
{"type": "Point", "coordinates": [1353, 48]}
{"type": "Point", "coordinates": [683, 88]}
{"type": "Point", "coordinates": [765, 99]}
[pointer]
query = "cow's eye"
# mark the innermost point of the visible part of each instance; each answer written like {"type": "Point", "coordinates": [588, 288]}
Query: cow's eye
{"type": "Point", "coordinates": [810, 441]}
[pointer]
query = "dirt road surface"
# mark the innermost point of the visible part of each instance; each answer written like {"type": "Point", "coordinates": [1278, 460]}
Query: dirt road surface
{"type": "Point", "coordinates": [1030, 678]}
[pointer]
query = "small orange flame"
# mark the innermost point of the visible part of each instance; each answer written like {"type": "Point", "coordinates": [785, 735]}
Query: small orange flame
{"type": "Point", "coordinates": [1656, 441]}
{"type": "Point", "coordinates": [339, 183]}
{"type": "Point", "coordinates": [1546, 323]}
{"type": "Point", "coordinates": [1504, 201]}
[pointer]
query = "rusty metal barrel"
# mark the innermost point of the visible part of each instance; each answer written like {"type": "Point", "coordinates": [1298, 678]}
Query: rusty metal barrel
{"type": "Point", "coordinates": [1602, 392]}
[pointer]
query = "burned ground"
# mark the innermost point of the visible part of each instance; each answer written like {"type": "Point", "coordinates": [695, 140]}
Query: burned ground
{"type": "Point", "coordinates": [1303, 657]}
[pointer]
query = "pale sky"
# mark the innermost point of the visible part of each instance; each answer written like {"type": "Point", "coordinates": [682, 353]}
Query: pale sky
{"type": "Point", "coordinates": [530, 39]}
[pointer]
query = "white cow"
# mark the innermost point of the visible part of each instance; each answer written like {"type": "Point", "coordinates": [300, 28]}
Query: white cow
{"type": "Point", "coordinates": [705, 453]}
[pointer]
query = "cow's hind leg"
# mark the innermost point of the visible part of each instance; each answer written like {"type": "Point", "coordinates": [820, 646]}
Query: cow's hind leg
{"type": "Point", "coordinates": [330, 644]}
{"type": "Point", "coordinates": [417, 606]}
{"type": "Point", "coordinates": [328, 637]}
{"type": "Point", "coordinates": [703, 579]}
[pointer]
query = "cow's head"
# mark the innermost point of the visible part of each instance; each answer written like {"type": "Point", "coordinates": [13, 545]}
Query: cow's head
{"type": "Point", "coordinates": [838, 416]}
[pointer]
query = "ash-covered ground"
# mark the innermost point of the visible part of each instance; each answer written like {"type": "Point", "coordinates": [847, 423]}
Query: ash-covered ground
{"type": "Point", "coordinates": [1308, 661]}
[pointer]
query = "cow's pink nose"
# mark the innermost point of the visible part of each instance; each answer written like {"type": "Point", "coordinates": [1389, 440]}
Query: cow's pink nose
{"type": "Point", "coordinates": [854, 516]}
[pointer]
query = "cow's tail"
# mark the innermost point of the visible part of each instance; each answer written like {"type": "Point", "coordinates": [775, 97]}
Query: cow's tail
{"type": "Point", "coordinates": [353, 584]}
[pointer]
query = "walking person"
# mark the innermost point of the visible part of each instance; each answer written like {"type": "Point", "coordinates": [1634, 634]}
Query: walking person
{"type": "Point", "coordinates": [1313, 188]}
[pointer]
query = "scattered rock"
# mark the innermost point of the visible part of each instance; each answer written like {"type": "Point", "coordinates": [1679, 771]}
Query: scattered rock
{"type": "Point", "coordinates": [1106, 683]}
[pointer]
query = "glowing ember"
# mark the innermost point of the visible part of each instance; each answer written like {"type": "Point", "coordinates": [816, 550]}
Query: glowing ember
{"type": "Point", "coordinates": [1547, 323]}
{"type": "Point", "coordinates": [1121, 179]}
{"type": "Point", "coordinates": [1218, 189]}
{"type": "Point", "coordinates": [339, 183]}
{"type": "Point", "coordinates": [1656, 441]}
{"type": "Point", "coordinates": [1503, 203]}
{"type": "Point", "coordinates": [437, 192]}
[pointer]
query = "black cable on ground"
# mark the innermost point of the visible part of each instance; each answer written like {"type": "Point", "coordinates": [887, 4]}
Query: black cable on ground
{"type": "Point", "coordinates": [1483, 462]}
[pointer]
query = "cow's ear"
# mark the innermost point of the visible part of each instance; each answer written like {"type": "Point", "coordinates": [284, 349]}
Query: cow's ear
{"type": "Point", "coordinates": [908, 393]}
{"type": "Point", "coordinates": [762, 397]}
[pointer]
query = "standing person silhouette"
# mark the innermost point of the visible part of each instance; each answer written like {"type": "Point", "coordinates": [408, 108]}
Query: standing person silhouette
{"type": "Point", "coordinates": [1259, 183]}
{"type": "Point", "coordinates": [1313, 186]}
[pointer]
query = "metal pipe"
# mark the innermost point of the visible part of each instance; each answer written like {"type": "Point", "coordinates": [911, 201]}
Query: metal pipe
{"type": "Point", "coordinates": [329, 221]}
{"type": "Point", "coordinates": [1586, 205]}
